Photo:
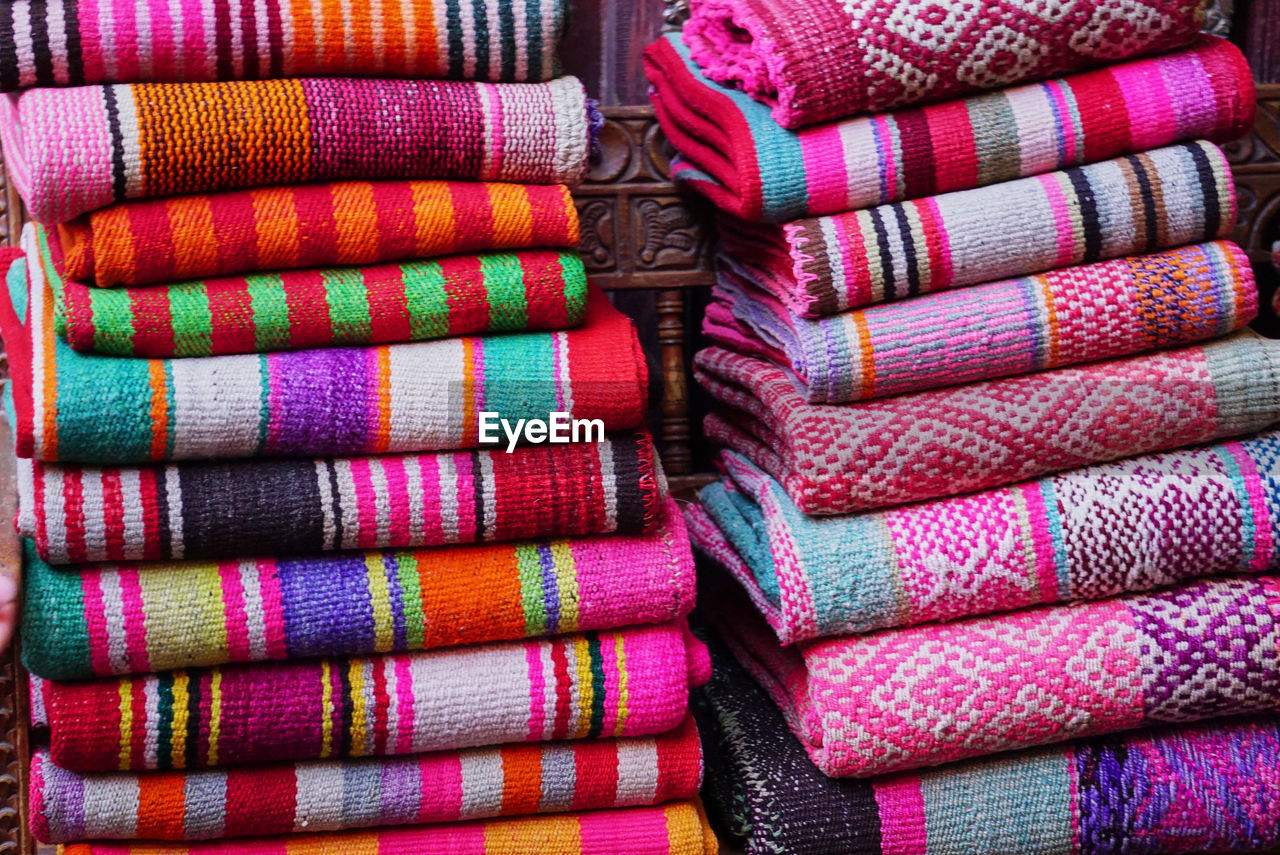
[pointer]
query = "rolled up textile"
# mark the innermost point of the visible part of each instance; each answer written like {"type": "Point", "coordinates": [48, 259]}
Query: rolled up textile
{"type": "Point", "coordinates": [74, 42]}
{"type": "Point", "coordinates": [838, 459]}
{"type": "Point", "coordinates": [310, 225]}
{"type": "Point", "coordinates": [1085, 534]}
{"type": "Point", "coordinates": [85, 408]}
{"type": "Point", "coordinates": [1016, 326]}
{"type": "Point", "coordinates": [818, 60]}
{"type": "Point", "coordinates": [901, 699]}
{"type": "Point", "coordinates": [71, 151]}
{"type": "Point", "coordinates": [230, 509]}
{"type": "Point", "coordinates": [1191, 788]}
{"type": "Point", "coordinates": [333, 795]}
{"type": "Point", "coordinates": [732, 151]}
{"type": "Point", "coordinates": [102, 619]}
{"type": "Point", "coordinates": [675, 829]}
{"type": "Point", "coordinates": [1141, 203]}
{"type": "Point", "coordinates": [631, 682]}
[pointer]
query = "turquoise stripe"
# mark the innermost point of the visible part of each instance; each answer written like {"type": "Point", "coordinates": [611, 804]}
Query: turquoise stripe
{"type": "Point", "coordinates": [1248, 532]}
{"type": "Point", "coordinates": [1054, 523]}
{"type": "Point", "coordinates": [264, 410]}
{"type": "Point", "coordinates": [510, 364]}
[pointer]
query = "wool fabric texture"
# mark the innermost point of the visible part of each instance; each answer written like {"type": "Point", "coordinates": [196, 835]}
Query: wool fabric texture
{"type": "Point", "coordinates": [1086, 534]}
{"type": "Point", "coordinates": [71, 151]}
{"type": "Point", "coordinates": [102, 619]}
{"type": "Point", "coordinates": [74, 42]}
{"type": "Point", "coordinates": [901, 699]}
{"type": "Point", "coordinates": [733, 152]}
{"type": "Point", "coordinates": [1016, 326]}
{"type": "Point", "coordinates": [679, 828]}
{"type": "Point", "coordinates": [1190, 788]}
{"type": "Point", "coordinates": [631, 682]}
{"type": "Point", "coordinates": [154, 241]}
{"type": "Point", "coordinates": [839, 459]}
{"type": "Point", "coordinates": [230, 509]}
{"type": "Point", "coordinates": [334, 795]}
{"type": "Point", "coordinates": [817, 60]}
{"type": "Point", "coordinates": [1141, 203]}
{"type": "Point", "coordinates": [87, 408]}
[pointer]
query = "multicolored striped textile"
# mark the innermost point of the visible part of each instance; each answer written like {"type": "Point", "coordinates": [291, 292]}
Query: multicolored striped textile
{"type": "Point", "coordinates": [1190, 788]}
{"type": "Point", "coordinates": [310, 225]}
{"type": "Point", "coordinates": [839, 459]}
{"type": "Point", "coordinates": [734, 153]}
{"type": "Point", "coordinates": [333, 795]}
{"type": "Point", "coordinates": [674, 829]}
{"type": "Point", "coordinates": [1141, 203]}
{"type": "Point", "coordinates": [424, 396]}
{"type": "Point", "coordinates": [818, 60]}
{"type": "Point", "coordinates": [866, 705]}
{"type": "Point", "coordinates": [1063, 317]}
{"type": "Point", "coordinates": [229, 509]}
{"type": "Point", "coordinates": [74, 42]}
{"type": "Point", "coordinates": [71, 151]}
{"type": "Point", "coordinates": [632, 682]}
{"type": "Point", "coordinates": [102, 619]}
{"type": "Point", "coordinates": [1086, 534]}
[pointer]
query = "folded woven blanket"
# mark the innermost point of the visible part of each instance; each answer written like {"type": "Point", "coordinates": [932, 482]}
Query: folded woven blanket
{"type": "Point", "coordinates": [73, 42]}
{"type": "Point", "coordinates": [103, 619]}
{"type": "Point", "coordinates": [310, 225]}
{"type": "Point", "coordinates": [1191, 788]}
{"type": "Point", "coordinates": [1017, 326]}
{"type": "Point", "coordinates": [87, 408]}
{"type": "Point", "coordinates": [70, 151]}
{"type": "Point", "coordinates": [837, 459]}
{"type": "Point", "coordinates": [632, 682]}
{"type": "Point", "coordinates": [900, 699]}
{"type": "Point", "coordinates": [735, 154]}
{"type": "Point", "coordinates": [818, 60]}
{"type": "Point", "coordinates": [332, 795]}
{"type": "Point", "coordinates": [1141, 203]}
{"type": "Point", "coordinates": [675, 829]}
{"type": "Point", "coordinates": [1086, 534]}
{"type": "Point", "coordinates": [295, 507]}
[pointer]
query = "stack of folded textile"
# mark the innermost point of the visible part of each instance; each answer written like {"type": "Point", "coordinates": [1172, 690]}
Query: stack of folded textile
{"type": "Point", "coordinates": [998, 473]}
{"type": "Point", "coordinates": [276, 581]}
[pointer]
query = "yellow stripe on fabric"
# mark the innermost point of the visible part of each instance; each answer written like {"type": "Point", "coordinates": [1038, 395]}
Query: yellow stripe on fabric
{"type": "Point", "coordinates": [178, 740]}
{"type": "Point", "coordinates": [470, 430]}
{"type": "Point", "coordinates": [215, 715]}
{"type": "Point", "coordinates": [557, 833]}
{"type": "Point", "coordinates": [126, 725]}
{"type": "Point", "coordinates": [384, 400]}
{"type": "Point", "coordinates": [566, 584]}
{"type": "Point", "coordinates": [187, 610]}
{"type": "Point", "coordinates": [512, 214]}
{"type": "Point", "coordinates": [384, 637]}
{"type": "Point", "coordinates": [326, 704]}
{"type": "Point", "coordinates": [359, 705]}
{"type": "Point", "coordinates": [586, 692]}
{"type": "Point", "coordinates": [620, 662]}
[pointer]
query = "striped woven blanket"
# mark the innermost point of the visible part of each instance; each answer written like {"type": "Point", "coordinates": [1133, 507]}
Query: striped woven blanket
{"type": "Point", "coordinates": [900, 699]}
{"type": "Point", "coordinates": [679, 828]}
{"type": "Point", "coordinates": [735, 154]}
{"type": "Point", "coordinates": [818, 60]}
{"type": "Point", "coordinates": [333, 795]}
{"type": "Point", "coordinates": [838, 459]}
{"type": "Point", "coordinates": [632, 682]}
{"type": "Point", "coordinates": [1086, 534]}
{"type": "Point", "coordinates": [1137, 204]}
{"type": "Point", "coordinates": [86, 408]}
{"type": "Point", "coordinates": [71, 151]}
{"type": "Point", "coordinates": [1017, 326]}
{"type": "Point", "coordinates": [1190, 788]}
{"type": "Point", "coordinates": [103, 619]}
{"type": "Point", "coordinates": [230, 509]}
{"type": "Point", "coordinates": [74, 42]}
{"type": "Point", "coordinates": [310, 225]}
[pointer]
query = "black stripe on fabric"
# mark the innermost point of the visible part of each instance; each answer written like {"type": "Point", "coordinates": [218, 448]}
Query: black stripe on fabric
{"type": "Point", "coordinates": [9, 77]}
{"type": "Point", "coordinates": [480, 15]}
{"type": "Point", "coordinates": [347, 703]}
{"type": "Point", "coordinates": [335, 502]}
{"type": "Point", "coordinates": [118, 184]}
{"type": "Point", "coordinates": [1208, 190]}
{"type": "Point", "coordinates": [242, 508]}
{"type": "Point", "coordinates": [453, 22]}
{"type": "Point", "coordinates": [626, 475]}
{"type": "Point", "coordinates": [75, 60]}
{"type": "Point", "coordinates": [477, 478]}
{"type": "Point", "coordinates": [1148, 202]}
{"type": "Point", "coordinates": [40, 43]}
{"type": "Point", "coordinates": [908, 250]}
{"type": "Point", "coordinates": [886, 255]}
{"type": "Point", "coordinates": [163, 533]}
{"type": "Point", "coordinates": [193, 720]}
{"type": "Point", "coordinates": [1088, 214]}
{"type": "Point", "coordinates": [507, 29]}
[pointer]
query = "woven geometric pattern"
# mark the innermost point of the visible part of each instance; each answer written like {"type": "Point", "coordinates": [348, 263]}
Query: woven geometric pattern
{"type": "Point", "coordinates": [1016, 326]}
{"type": "Point", "coordinates": [102, 619]}
{"type": "Point", "coordinates": [835, 459]}
{"type": "Point", "coordinates": [74, 42]}
{"type": "Point", "coordinates": [332, 795]}
{"type": "Point", "coordinates": [818, 60]}
{"type": "Point", "coordinates": [733, 152]}
{"type": "Point", "coordinates": [1141, 203]}
{"type": "Point", "coordinates": [629, 683]}
{"type": "Point", "coordinates": [65, 159]}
